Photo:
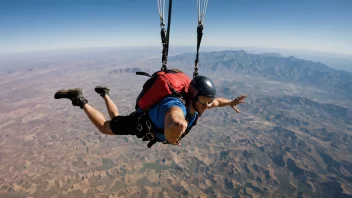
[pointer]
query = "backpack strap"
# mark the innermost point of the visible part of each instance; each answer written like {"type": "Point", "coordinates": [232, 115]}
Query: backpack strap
{"type": "Point", "coordinates": [143, 73]}
{"type": "Point", "coordinates": [189, 128]}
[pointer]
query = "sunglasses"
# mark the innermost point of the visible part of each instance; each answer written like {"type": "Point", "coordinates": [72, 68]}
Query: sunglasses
{"type": "Point", "coordinates": [205, 101]}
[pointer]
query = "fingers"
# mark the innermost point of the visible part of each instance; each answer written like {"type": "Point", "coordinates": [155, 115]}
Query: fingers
{"type": "Point", "coordinates": [239, 100]}
{"type": "Point", "coordinates": [179, 129]}
{"type": "Point", "coordinates": [235, 107]}
{"type": "Point", "coordinates": [241, 97]}
{"type": "Point", "coordinates": [173, 140]}
{"type": "Point", "coordinates": [179, 126]}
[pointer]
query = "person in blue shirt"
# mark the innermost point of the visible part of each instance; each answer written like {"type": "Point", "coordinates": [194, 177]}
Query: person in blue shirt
{"type": "Point", "coordinates": [169, 120]}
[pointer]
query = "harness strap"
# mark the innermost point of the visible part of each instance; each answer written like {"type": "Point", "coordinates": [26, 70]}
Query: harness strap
{"type": "Point", "coordinates": [199, 40]}
{"type": "Point", "coordinates": [143, 73]}
{"type": "Point", "coordinates": [165, 35]}
{"type": "Point", "coordinates": [189, 129]}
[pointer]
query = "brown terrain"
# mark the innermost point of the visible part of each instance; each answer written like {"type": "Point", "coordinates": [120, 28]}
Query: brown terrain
{"type": "Point", "coordinates": [291, 139]}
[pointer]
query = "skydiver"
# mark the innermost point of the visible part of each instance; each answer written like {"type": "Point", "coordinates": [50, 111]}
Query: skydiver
{"type": "Point", "coordinates": [168, 117]}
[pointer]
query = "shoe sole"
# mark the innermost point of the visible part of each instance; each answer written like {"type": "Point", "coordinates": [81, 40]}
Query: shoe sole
{"type": "Point", "coordinates": [100, 88]}
{"type": "Point", "coordinates": [63, 93]}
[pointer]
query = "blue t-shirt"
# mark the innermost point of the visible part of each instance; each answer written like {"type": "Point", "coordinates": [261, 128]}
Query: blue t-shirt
{"type": "Point", "coordinates": [158, 112]}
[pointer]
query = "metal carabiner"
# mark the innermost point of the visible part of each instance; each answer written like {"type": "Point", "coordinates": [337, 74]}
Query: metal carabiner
{"type": "Point", "coordinates": [149, 134]}
{"type": "Point", "coordinates": [139, 127]}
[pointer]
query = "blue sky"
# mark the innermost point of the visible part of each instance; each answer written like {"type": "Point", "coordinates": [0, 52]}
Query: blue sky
{"type": "Point", "coordinates": [318, 25]}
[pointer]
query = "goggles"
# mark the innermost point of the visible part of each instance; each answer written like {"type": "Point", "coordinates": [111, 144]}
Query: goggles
{"type": "Point", "coordinates": [205, 101]}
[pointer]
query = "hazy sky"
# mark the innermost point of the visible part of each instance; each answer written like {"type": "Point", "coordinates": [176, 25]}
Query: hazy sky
{"type": "Point", "coordinates": [30, 25]}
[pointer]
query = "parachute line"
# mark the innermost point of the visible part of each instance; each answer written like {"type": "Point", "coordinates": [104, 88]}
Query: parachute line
{"type": "Point", "coordinates": [202, 8]}
{"type": "Point", "coordinates": [165, 34]}
{"type": "Point", "coordinates": [161, 5]}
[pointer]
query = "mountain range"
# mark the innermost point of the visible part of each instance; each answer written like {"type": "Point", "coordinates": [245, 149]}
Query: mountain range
{"type": "Point", "coordinates": [274, 67]}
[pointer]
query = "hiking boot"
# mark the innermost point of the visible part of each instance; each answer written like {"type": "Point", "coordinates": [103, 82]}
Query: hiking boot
{"type": "Point", "coordinates": [102, 91]}
{"type": "Point", "coordinates": [68, 93]}
{"type": "Point", "coordinates": [75, 95]}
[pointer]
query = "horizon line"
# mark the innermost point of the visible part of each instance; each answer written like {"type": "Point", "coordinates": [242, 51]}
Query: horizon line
{"type": "Point", "coordinates": [245, 48]}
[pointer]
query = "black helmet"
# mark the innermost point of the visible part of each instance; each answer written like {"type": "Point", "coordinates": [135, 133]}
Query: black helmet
{"type": "Point", "coordinates": [202, 86]}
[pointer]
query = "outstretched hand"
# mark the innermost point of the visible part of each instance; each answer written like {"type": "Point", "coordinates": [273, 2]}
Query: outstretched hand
{"type": "Point", "coordinates": [238, 100]}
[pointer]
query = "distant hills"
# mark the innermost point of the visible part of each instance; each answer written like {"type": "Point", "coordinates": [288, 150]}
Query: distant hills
{"type": "Point", "coordinates": [275, 67]}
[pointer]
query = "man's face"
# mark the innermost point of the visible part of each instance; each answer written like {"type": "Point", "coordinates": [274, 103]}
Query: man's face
{"type": "Point", "coordinates": [203, 103]}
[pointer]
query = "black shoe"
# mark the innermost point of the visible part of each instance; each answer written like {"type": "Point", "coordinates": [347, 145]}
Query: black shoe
{"type": "Point", "coordinates": [68, 93]}
{"type": "Point", "coordinates": [75, 95]}
{"type": "Point", "coordinates": [102, 91]}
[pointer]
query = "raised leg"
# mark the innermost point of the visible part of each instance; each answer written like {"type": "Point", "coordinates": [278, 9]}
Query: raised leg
{"type": "Point", "coordinates": [98, 119]}
{"type": "Point", "coordinates": [110, 105]}
{"type": "Point", "coordinates": [95, 116]}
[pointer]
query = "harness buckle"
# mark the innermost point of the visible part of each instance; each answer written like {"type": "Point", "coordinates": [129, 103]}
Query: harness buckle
{"type": "Point", "coordinates": [139, 127]}
{"type": "Point", "coordinates": [149, 134]}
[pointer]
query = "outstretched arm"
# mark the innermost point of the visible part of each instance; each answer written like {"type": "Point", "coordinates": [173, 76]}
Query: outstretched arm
{"type": "Point", "coordinates": [222, 102]}
{"type": "Point", "coordinates": [174, 124]}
